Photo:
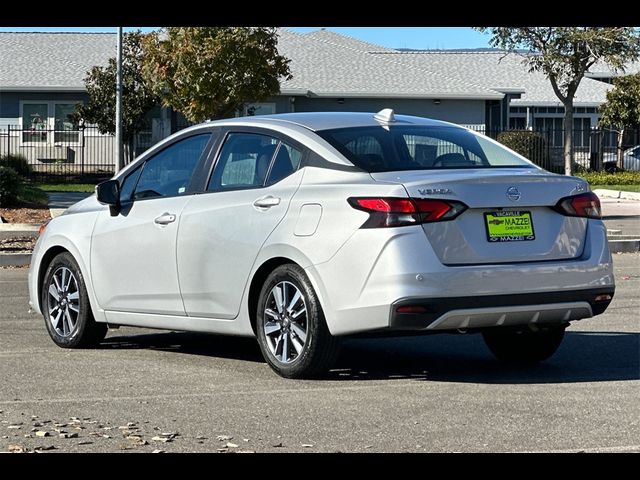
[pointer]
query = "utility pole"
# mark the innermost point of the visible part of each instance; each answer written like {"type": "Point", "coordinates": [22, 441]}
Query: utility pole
{"type": "Point", "coordinates": [119, 160]}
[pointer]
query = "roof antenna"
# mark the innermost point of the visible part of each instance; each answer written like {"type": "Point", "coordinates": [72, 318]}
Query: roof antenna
{"type": "Point", "coordinates": [385, 116]}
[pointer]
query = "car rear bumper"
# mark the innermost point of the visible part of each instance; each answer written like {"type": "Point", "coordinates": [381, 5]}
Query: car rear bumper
{"type": "Point", "coordinates": [377, 268]}
{"type": "Point", "coordinates": [498, 310]}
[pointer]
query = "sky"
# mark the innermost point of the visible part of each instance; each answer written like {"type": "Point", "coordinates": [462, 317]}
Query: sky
{"type": "Point", "coordinates": [392, 37]}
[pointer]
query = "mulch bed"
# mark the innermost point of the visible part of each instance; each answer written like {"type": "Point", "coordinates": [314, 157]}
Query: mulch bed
{"type": "Point", "coordinates": [25, 215]}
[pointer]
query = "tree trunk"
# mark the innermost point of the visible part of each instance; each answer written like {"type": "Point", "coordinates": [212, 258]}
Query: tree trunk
{"type": "Point", "coordinates": [619, 151]}
{"type": "Point", "coordinates": [568, 137]}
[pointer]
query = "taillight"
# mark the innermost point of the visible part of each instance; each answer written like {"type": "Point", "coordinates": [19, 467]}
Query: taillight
{"type": "Point", "coordinates": [398, 212]}
{"type": "Point", "coordinates": [584, 205]}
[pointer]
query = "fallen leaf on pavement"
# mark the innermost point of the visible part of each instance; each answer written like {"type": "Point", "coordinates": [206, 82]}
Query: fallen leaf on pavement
{"type": "Point", "coordinates": [231, 445]}
{"type": "Point", "coordinates": [42, 433]}
{"type": "Point", "coordinates": [68, 435]}
{"type": "Point", "coordinates": [17, 449]}
{"type": "Point", "coordinates": [307, 445]}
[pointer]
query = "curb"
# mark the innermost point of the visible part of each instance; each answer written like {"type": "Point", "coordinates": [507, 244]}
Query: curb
{"type": "Point", "coordinates": [624, 246]}
{"type": "Point", "coordinates": [605, 193]}
{"type": "Point", "coordinates": [15, 259]}
{"type": "Point", "coordinates": [19, 227]}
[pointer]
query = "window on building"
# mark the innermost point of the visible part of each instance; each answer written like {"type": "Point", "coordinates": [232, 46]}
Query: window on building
{"type": "Point", "coordinates": [581, 132]}
{"type": "Point", "coordinates": [260, 109]}
{"type": "Point", "coordinates": [517, 123]}
{"type": "Point", "coordinates": [35, 117]}
{"type": "Point", "coordinates": [49, 122]}
{"type": "Point", "coordinates": [65, 129]}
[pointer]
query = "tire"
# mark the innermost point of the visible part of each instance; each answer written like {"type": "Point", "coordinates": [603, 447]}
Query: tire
{"type": "Point", "coordinates": [65, 306]}
{"type": "Point", "coordinates": [523, 346]}
{"type": "Point", "coordinates": [294, 340]}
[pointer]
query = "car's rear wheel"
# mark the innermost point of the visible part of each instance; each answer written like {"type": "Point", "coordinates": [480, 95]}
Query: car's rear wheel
{"type": "Point", "coordinates": [291, 328]}
{"type": "Point", "coordinates": [523, 345]}
{"type": "Point", "coordinates": [65, 306]}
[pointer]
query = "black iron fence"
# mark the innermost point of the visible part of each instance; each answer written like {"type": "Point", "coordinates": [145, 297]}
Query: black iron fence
{"type": "Point", "coordinates": [87, 155]}
{"type": "Point", "coordinates": [63, 155]}
{"type": "Point", "coordinates": [593, 148]}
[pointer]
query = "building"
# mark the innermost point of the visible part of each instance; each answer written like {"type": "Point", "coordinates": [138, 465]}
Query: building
{"type": "Point", "coordinates": [41, 80]}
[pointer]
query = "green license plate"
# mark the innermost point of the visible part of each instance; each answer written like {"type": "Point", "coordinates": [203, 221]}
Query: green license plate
{"type": "Point", "coordinates": [509, 226]}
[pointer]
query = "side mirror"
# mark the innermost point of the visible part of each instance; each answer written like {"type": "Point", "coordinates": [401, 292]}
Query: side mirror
{"type": "Point", "coordinates": [108, 193]}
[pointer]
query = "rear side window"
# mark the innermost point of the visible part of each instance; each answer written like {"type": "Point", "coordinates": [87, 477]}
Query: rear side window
{"type": "Point", "coordinates": [286, 162]}
{"type": "Point", "coordinates": [244, 161]}
{"type": "Point", "coordinates": [169, 172]}
{"type": "Point", "coordinates": [419, 147]}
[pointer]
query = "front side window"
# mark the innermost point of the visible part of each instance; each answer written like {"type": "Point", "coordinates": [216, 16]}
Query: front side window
{"type": "Point", "coordinates": [34, 122]}
{"type": "Point", "coordinates": [244, 161]}
{"type": "Point", "coordinates": [129, 183]}
{"type": "Point", "coordinates": [169, 172]}
{"type": "Point", "coordinates": [396, 148]}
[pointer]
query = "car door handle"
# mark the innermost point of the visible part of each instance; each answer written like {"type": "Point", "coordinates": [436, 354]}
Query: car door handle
{"type": "Point", "coordinates": [165, 219]}
{"type": "Point", "coordinates": [267, 202]}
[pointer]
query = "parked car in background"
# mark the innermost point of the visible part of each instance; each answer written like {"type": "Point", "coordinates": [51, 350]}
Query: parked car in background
{"type": "Point", "coordinates": [631, 160]}
{"type": "Point", "coordinates": [305, 228]}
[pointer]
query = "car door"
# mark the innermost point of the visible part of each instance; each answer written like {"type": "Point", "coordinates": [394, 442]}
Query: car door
{"type": "Point", "coordinates": [222, 230]}
{"type": "Point", "coordinates": [133, 263]}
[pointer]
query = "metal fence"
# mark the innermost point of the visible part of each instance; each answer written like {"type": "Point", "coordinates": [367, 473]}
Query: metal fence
{"type": "Point", "coordinates": [87, 155]}
{"type": "Point", "coordinates": [65, 155]}
{"type": "Point", "coordinates": [592, 147]}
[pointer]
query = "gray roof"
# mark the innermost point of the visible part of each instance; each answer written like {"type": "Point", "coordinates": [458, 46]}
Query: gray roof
{"type": "Point", "coordinates": [323, 65]}
{"type": "Point", "coordinates": [500, 72]}
{"type": "Point", "coordinates": [602, 70]}
{"type": "Point", "coordinates": [51, 61]}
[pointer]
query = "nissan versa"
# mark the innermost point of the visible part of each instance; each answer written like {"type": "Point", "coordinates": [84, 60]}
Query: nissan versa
{"type": "Point", "coordinates": [304, 228]}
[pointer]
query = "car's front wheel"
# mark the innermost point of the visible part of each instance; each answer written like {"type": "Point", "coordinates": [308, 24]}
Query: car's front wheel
{"type": "Point", "coordinates": [523, 345]}
{"type": "Point", "coordinates": [65, 305]}
{"type": "Point", "coordinates": [291, 328]}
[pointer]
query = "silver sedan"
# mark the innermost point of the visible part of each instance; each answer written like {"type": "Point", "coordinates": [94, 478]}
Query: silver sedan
{"type": "Point", "coordinates": [302, 229]}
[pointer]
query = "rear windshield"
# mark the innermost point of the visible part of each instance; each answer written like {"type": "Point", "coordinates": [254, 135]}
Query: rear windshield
{"type": "Point", "coordinates": [413, 147]}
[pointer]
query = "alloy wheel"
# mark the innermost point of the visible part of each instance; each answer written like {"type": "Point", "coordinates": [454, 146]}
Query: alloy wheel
{"type": "Point", "coordinates": [63, 301]}
{"type": "Point", "coordinates": [285, 322]}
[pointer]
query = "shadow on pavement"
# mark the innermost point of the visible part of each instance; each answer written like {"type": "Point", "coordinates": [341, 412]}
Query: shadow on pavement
{"type": "Point", "coordinates": [582, 357]}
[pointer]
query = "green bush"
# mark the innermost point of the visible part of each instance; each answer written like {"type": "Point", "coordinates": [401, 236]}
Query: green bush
{"type": "Point", "coordinates": [604, 178]}
{"type": "Point", "coordinates": [18, 162]}
{"type": "Point", "coordinates": [531, 145]}
{"type": "Point", "coordinates": [10, 186]}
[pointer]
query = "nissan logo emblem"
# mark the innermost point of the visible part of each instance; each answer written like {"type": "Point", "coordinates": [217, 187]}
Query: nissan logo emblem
{"type": "Point", "coordinates": [513, 194]}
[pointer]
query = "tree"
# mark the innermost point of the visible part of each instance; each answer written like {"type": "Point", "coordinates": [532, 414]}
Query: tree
{"type": "Point", "coordinates": [137, 97]}
{"type": "Point", "coordinates": [564, 55]}
{"type": "Point", "coordinates": [211, 72]}
{"type": "Point", "coordinates": [622, 108]}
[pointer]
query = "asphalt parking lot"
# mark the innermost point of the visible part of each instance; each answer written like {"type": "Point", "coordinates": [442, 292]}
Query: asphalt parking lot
{"type": "Point", "coordinates": [179, 392]}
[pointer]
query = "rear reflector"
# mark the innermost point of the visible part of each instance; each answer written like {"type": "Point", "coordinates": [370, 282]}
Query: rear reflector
{"type": "Point", "coordinates": [586, 205]}
{"type": "Point", "coordinates": [603, 298]}
{"type": "Point", "coordinates": [397, 212]}
{"type": "Point", "coordinates": [411, 309]}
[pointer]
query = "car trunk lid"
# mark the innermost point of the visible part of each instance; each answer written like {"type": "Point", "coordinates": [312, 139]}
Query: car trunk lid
{"type": "Point", "coordinates": [497, 200]}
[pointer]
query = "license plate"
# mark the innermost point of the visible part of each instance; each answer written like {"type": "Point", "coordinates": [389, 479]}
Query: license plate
{"type": "Point", "coordinates": [509, 226]}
